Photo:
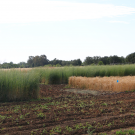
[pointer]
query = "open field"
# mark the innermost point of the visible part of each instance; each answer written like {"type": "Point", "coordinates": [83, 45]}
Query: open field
{"type": "Point", "coordinates": [62, 112]}
{"type": "Point", "coordinates": [60, 109]}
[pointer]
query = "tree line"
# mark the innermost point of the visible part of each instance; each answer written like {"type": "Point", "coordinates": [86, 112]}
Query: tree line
{"type": "Point", "coordinates": [36, 61]}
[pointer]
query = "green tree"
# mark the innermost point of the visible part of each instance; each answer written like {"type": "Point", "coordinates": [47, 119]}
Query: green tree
{"type": "Point", "coordinates": [31, 61]}
{"type": "Point", "coordinates": [130, 58]}
{"type": "Point", "coordinates": [88, 61]}
{"type": "Point", "coordinates": [100, 63]}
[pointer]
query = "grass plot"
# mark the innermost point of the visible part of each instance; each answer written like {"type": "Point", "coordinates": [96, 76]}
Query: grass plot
{"type": "Point", "coordinates": [18, 85]}
{"type": "Point", "coordinates": [116, 84]}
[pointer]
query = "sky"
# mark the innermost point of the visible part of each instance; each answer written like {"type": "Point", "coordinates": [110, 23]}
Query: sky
{"type": "Point", "coordinates": [66, 29]}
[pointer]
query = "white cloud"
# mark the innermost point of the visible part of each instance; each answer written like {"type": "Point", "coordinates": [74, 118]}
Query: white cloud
{"type": "Point", "coordinates": [23, 11]}
{"type": "Point", "coordinates": [119, 22]}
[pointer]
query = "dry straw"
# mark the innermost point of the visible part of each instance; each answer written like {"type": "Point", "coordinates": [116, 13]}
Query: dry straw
{"type": "Point", "coordinates": [103, 83]}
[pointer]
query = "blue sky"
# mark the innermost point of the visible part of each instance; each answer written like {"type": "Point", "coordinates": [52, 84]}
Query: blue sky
{"type": "Point", "coordinates": [67, 29]}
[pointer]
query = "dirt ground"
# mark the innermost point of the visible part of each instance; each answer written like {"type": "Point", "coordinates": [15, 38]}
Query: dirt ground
{"type": "Point", "coordinates": [69, 111]}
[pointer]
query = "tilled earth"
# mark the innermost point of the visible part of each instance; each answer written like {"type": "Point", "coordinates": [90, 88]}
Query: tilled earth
{"type": "Point", "coordinates": [68, 113]}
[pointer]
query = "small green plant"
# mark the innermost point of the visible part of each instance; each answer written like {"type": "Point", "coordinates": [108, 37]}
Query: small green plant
{"type": "Point", "coordinates": [43, 125]}
{"type": "Point", "coordinates": [27, 114]}
{"type": "Point", "coordinates": [109, 124]}
{"type": "Point", "coordinates": [20, 126]}
{"type": "Point", "coordinates": [120, 109]}
{"type": "Point", "coordinates": [2, 117]}
{"type": "Point", "coordinates": [77, 126]}
{"type": "Point", "coordinates": [104, 104]}
{"type": "Point", "coordinates": [90, 132]}
{"type": "Point", "coordinates": [44, 131]}
{"type": "Point", "coordinates": [57, 129]}
{"type": "Point", "coordinates": [69, 129]}
{"type": "Point", "coordinates": [123, 120]}
{"type": "Point", "coordinates": [22, 117]}
{"type": "Point", "coordinates": [41, 115]}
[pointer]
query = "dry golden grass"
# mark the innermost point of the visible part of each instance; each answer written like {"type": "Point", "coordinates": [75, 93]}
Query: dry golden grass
{"type": "Point", "coordinates": [21, 69]}
{"type": "Point", "coordinates": [104, 83]}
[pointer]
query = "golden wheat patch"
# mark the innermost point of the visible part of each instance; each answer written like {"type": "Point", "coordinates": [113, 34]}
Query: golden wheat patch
{"type": "Point", "coordinates": [126, 83]}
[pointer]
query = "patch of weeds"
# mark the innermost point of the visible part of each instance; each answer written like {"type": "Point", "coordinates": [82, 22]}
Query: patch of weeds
{"type": "Point", "coordinates": [99, 125]}
{"type": "Point", "coordinates": [120, 132]}
{"type": "Point", "coordinates": [102, 110]}
{"type": "Point", "coordinates": [109, 124]}
{"type": "Point", "coordinates": [131, 131]}
{"type": "Point", "coordinates": [77, 126]}
{"type": "Point", "coordinates": [104, 104]}
{"type": "Point", "coordinates": [9, 117]}
{"type": "Point", "coordinates": [32, 132]}
{"type": "Point", "coordinates": [133, 90]}
{"type": "Point", "coordinates": [44, 107]}
{"type": "Point", "coordinates": [68, 110]}
{"type": "Point", "coordinates": [43, 125]}
{"type": "Point", "coordinates": [67, 86]}
{"type": "Point", "coordinates": [44, 131]}
{"type": "Point", "coordinates": [16, 110]}
{"type": "Point", "coordinates": [92, 103]}
{"type": "Point", "coordinates": [3, 128]}
{"type": "Point", "coordinates": [27, 114]}
{"type": "Point", "coordinates": [57, 129]}
{"type": "Point", "coordinates": [22, 117]}
{"type": "Point", "coordinates": [20, 126]}
{"type": "Point", "coordinates": [41, 115]}
{"type": "Point", "coordinates": [90, 132]}
{"type": "Point", "coordinates": [2, 117]}
{"type": "Point", "coordinates": [122, 120]}
{"type": "Point", "coordinates": [17, 119]}
{"type": "Point", "coordinates": [119, 101]}
{"type": "Point", "coordinates": [120, 109]}
{"type": "Point", "coordinates": [1, 123]}
{"type": "Point", "coordinates": [69, 129]}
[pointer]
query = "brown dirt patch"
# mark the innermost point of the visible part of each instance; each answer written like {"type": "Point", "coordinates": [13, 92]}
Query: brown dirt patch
{"type": "Point", "coordinates": [104, 112]}
{"type": "Point", "coordinates": [93, 92]}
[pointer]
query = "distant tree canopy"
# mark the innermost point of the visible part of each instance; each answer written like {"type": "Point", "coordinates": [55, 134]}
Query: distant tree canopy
{"type": "Point", "coordinates": [77, 62]}
{"type": "Point", "coordinates": [106, 60]}
{"type": "Point", "coordinates": [131, 58]}
{"type": "Point", "coordinates": [91, 60]}
{"type": "Point", "coordinates": [35, 61]}
{"type": "Point", "coordinates": [9, 65]}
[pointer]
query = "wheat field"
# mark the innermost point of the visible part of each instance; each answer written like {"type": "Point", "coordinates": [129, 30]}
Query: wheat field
{"type": "Point", "coordinates": [126, 83]}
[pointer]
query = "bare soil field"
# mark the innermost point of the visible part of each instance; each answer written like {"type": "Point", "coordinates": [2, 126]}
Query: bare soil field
{"type": "Point", "coordinates": [66, 111]}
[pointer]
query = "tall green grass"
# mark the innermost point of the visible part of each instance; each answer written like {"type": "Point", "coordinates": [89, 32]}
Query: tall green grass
{"type": "Point", "coordinates": [60, 75]}
{"type": "Point", "coordinates": [16, 85]}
